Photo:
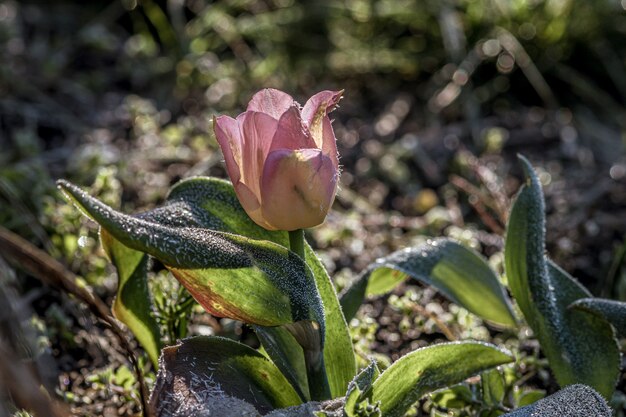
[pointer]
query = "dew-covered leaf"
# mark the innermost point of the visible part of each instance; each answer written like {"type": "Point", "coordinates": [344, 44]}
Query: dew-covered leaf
{"type": "Point", "coordinates": [457, 272]}
{"type": "Point", "coordinates": [432, 368]}
{"type": "Point", "coordinates": [255, 281]}
{"type": "Point", "coordinates": [572, 401]}
{"type": "Point", "coordinates": [200, 371]}
{"type": "Point", "coordinates": [211, 203]}
{"type": "Point", "coordinates": [579, 346]}
{"type": "Point", "coordinates": [611, 310]}
{"type": "Point", "coordinates": [133, 303]}
{"type": "Point", "coordinates": [360, 389]}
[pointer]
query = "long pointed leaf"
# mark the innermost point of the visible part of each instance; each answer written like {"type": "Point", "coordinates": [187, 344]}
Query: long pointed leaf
{"type": "Point", "coordinates": [457, 272]}
{"type": "Point", "coordinates": [201, 369]}
{"type": "Point", "coordinates": [257, 282]}
{"type": "Point", "coordinates": [338, 351]}
{"type": "Point", "coordinates": [580, 347]}
{"type": "Point", "coordinates": [432, 368]}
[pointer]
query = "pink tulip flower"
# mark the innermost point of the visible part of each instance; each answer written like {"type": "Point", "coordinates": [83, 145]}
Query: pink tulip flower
{"type": "Point", "coordinates": [282, 158]}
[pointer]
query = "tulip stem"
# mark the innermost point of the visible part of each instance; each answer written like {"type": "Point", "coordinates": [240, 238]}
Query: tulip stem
{"type": "Point", "coordinates": [313, 358]}
{"type": "Point", "coordinates": [296, 242]}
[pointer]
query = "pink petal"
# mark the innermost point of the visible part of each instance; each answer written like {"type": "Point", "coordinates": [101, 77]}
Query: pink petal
{"type": "Point", "coordinates": [315, 116]}
{"type": "Point", "coordinates": [319, 105]}
{"type": "Point", "coordinates": [257, 131]}
{"type": "Point", "coordinates": [229, 138]}
{"type": "Point", "coordinates": [329, 141]}
{"type": "Point", "coordinates": [298, 188]}
{"type": "Point", "coordinates": [291, 132]}
{"type": "Point", "coordinates": [270, 101]}
{"type": "Point", "coordinates": [251, 205]}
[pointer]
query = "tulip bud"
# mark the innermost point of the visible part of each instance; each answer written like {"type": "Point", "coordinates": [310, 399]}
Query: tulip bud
{"type": "Point", "coordinates": [282, 159]}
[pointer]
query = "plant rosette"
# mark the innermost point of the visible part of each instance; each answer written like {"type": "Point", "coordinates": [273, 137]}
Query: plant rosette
{"type": "Point", "coordinates": [238, 248]}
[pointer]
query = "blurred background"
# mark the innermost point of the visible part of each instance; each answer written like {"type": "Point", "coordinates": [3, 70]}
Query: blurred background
{"type": "Point", "coordinates": [440, 97]}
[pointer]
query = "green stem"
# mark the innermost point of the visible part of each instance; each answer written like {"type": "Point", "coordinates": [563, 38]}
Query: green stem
{"type": "Point", "coordinates": [296, 242]}
{"type": "Point", "coordinates": [314, 360]}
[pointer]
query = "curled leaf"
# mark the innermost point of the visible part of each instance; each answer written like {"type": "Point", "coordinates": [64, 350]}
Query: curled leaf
{"type": "Point", "coordinates": [457, 272]}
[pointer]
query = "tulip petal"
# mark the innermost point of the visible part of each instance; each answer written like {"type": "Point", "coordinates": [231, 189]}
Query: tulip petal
{"type": "Point", "coordinates": [257, 131]}
{"type": "Point", "coordinates": [329, 141]}
{"type": "Point", "coordinates": [251, 205]}
{"type": "Point", "coordinates": [297, 187]}
{"type": "Point", "coordinates": [317, 107]}
{"type": "Point", "coordinates": [315, 116]}
{"type": "Point", "coordinates": [229, 138]}
{"type": "Point", "coordinates": [291, 133]}
{"type": "Point", "coordinates": [246, 197]}
{"type": "Point", "coordinates": [270, 101]}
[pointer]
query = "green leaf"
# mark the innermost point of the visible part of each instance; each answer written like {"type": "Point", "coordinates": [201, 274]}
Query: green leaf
{"type": "Point", "coordinates": [579, 346]}
{"type": "Point", "coordinates": [457, 272]}
{"type": "Point", "coordinates": [612, 311]}
{"type": "Point", "coordinates": [201, 369]}
{"type": "Point", "coordinates": [287, 354]}
{"type": "Point", "coordinates": [458, 396]}
{"type": "Point", "coordinates": [529, 396]}
{"type": "Point", "coordinates": [360, 389]}
{"type": "Point", "coordinates": [211, 203]}
{"type": "Point", "coordinates": [432, 368]}
{"type": "Point", "coordinates": [132, 305]}
{"type": "Point", "coordinates": [493, 387]}
{"type": "Point", "coordinates": [338, 351]}
{"type": "Point", "coordinates": [257, 282]}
